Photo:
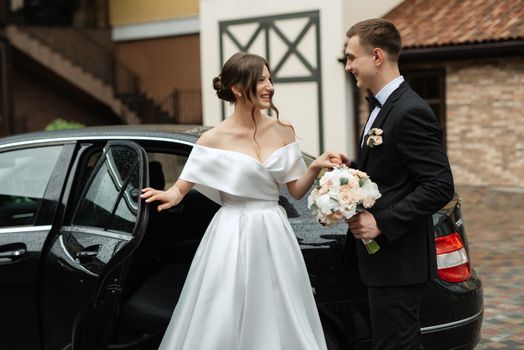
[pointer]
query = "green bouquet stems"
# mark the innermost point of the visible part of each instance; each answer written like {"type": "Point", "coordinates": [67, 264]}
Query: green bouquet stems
{"type": "Point", "coordinates": [371, 246]}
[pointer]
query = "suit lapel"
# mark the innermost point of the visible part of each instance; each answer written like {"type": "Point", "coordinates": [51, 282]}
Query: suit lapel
{"type": "Point", "coordinates": [379, 120]}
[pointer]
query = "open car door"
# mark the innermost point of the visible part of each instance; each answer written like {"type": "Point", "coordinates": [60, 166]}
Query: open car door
{"type": "Point", "coordinates": [87, 262]}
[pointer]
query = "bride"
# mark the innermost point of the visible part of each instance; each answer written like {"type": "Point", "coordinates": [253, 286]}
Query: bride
{"type": "Point", "coordinates": [247, 288]}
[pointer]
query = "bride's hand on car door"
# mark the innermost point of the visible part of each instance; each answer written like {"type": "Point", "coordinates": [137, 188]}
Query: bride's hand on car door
{"type": "Point", "coordinates": [167, 198]}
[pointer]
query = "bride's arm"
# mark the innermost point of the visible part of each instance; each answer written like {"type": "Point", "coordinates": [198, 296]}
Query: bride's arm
{"type": "Point", "coordinates": [299, 187]}
{"type": "Point", "coordinates": [177, 192]}
{"type": "Point", "coordinates": [169, 198]}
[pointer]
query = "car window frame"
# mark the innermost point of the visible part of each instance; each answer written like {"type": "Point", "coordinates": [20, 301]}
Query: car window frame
{"type": "Point", "coordinates": [91, 177]}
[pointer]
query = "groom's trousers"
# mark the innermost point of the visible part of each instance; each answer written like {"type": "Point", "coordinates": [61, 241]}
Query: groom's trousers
{"type": "Point", "coordinates": [395, 317]}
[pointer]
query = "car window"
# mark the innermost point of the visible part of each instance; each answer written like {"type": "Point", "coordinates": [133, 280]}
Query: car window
{"type": "Point", "coordinates": [164, 169]}
{"type": "Point", "coordinates": [24, 175]}
{"type": "Point", "coordinates": [111, 200]}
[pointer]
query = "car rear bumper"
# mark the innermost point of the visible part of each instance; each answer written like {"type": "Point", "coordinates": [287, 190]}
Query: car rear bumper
{"type": "Point", "coordinates": [461, 334]}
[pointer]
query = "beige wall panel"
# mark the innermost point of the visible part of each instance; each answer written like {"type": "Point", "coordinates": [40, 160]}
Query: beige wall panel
{"type": "Point", "coordinates": [137, 11]}
{"type": "Point", "coordinates": [163, 64]}
{"type": "Point", "coordinates": [298, 102]}
{"type": "Point", "coordinates": [299, 114]}
{"type": "Point", "coordinates": [294, 100]}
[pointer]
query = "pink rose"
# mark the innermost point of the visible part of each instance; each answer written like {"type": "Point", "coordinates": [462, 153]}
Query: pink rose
{"type": "Point", "coordinates": [368, 202]}
{"type": "Point", "coordinates": [344, 195]}
{"type": "Point", "coordinates": [335, 216]}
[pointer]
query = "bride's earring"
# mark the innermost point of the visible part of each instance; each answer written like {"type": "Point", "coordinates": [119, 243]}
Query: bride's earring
{"type": "Point", "coordinates": [236, 91]}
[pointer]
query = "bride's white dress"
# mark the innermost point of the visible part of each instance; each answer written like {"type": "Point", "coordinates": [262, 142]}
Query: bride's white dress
{"type": "Point", "coordinates": [247, 288]}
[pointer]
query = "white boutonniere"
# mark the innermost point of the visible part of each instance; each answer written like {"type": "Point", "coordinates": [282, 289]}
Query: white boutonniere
{"type": "Point", "coordinates": [374, 137]}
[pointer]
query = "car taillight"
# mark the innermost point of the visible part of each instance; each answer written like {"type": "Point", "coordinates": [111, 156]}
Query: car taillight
{"type": "Point", "coordinates": [452, 259]}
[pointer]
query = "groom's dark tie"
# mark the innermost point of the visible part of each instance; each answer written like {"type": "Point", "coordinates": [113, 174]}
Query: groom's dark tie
{"type": "Point", "coordinates": [373, 102]}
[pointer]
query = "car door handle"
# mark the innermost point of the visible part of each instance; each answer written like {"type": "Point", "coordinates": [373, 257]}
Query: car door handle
{"type": "Point", "coordinates": [89, 252]}
{"type": "Point", "coordinates": [11, 255]}
{"type": "Point", "coordinates": [83, 254]}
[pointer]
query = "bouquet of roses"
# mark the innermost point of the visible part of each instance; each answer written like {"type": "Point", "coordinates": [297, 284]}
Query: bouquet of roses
{"type": "Point", "coordinates": [343, 192]}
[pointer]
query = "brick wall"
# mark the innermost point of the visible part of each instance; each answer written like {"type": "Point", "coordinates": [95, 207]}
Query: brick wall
{"type": "Point", "coordinates": [484, 121]}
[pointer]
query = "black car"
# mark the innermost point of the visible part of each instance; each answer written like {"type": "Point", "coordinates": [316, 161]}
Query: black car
{"type": "Point", "coordinates": [85, 264]}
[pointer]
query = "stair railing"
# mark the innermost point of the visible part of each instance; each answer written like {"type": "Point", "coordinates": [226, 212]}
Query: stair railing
{"type": "Point", "coordinates": [90, 55]}
{"type": "Point", "coordinates": [178, 107]}
{"type": "Point", "coordinates": [183, 106]}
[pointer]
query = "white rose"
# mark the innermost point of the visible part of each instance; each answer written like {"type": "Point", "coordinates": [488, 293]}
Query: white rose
{"type": "Point", "coordinates": [370, 190]}
{"type": "Point", "coordinates": [349, 211]}
{"type": "Point", "coordinates": [325, 204]}
{"type": "Point", "coordinates": [312, 197]}
{"type": "Point", "coordinates": [332, 179]}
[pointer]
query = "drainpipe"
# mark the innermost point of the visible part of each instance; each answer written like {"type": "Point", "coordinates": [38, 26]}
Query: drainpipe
{"type": "Point", "coordinates": [6, 86]}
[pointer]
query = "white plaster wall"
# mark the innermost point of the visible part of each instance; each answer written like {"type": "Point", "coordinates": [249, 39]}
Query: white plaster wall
{"type": "Point", "coordinates": [355, 11]}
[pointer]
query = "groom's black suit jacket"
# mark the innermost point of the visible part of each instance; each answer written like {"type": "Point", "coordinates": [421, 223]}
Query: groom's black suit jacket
{"type": "Point", "coordinates": [413, 174]}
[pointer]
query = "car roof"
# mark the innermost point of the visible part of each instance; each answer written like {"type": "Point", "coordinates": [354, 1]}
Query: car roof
{"type": "Point", "coordinates": [187, 133]}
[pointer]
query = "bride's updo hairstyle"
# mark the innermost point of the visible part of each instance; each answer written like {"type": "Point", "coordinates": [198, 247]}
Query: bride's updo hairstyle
{"type": "Point", "coordinates": [243, 70]}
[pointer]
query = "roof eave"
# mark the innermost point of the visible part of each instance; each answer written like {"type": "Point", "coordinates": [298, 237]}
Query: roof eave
{"type": "Point", "coordinates": [463, 51]}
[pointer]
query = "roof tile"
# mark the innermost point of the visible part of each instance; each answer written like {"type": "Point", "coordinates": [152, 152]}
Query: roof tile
{"type": "Point", "coordinates": [425, 23]}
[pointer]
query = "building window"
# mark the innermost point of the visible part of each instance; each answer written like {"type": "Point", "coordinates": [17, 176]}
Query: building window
{"type": "Point", "coordinates": [430, 85]}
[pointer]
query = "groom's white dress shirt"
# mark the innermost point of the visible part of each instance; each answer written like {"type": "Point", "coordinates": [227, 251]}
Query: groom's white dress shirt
{"type": "Point", "coordinates": [381, 96]}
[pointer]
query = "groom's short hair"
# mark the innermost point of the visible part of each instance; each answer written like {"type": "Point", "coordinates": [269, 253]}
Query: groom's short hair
{"type": "Point", "coordinates": [378, 32]}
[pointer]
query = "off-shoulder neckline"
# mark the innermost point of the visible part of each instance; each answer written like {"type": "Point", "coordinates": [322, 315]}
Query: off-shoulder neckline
{"type": "Point", "coordinates": [246, 155]}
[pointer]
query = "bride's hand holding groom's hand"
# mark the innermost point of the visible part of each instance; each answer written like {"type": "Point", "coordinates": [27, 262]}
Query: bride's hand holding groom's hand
{"type": "Point", "coordinates": [168, 198]}
{"type": "Point", "coordinates": [345, 160]}
{"type": "Point", "coordinates": [301, 186]}
{"type": "Point", "coordinates": [327, 160]}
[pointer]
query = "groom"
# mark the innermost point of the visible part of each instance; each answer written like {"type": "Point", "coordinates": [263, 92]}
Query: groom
{"type": "Point", "coordinates": [405, 157]}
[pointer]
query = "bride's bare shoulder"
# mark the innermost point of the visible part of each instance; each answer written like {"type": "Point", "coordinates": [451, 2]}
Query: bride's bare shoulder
{"type": "Point", "coordinates": [212, 137]}
{"type": "Point", "coordinates": [285, 130]}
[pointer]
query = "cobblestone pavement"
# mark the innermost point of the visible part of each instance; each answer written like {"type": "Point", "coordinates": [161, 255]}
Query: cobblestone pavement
{"type": "Point", "coordinates": [494, 222]}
